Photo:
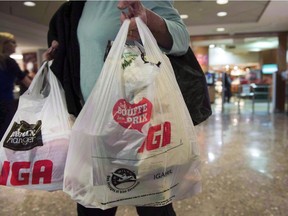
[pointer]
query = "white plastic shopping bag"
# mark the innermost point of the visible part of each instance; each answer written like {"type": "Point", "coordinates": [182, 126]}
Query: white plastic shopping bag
{"type": "Point", "coordinates": [133, 142]}
{"type": "Point", "coordinates": [34, 148]}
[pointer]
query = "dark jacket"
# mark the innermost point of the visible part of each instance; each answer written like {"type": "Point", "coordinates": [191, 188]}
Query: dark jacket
{"type": "Point", "coordinates": [66, 64]}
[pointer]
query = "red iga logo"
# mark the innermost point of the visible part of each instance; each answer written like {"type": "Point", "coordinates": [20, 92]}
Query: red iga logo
{"type": "Point", "coordinates": [25, 173]}
{"type": "Point", "coordinates": [132, 116]}
{"type": "Point", "coordinates": [158, 136]}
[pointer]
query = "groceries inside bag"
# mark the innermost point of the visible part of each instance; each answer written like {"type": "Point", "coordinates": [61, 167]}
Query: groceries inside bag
{"type": "Point", "coordinates": [133, 142]}
{"type": "Point", "coordinates": [34, 148]}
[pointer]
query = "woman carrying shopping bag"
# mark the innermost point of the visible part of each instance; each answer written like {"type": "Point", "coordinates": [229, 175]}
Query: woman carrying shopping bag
{"type": "Point", "coordinates": [78, 34]}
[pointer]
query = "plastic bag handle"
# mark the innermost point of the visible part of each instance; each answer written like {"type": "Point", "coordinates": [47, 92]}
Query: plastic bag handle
{"type": "Point", "coordinates": [120, 39]}
{"type": "Point", "coordinates": [149, 42]}
{"type": "Point", "coordinates": [55, 97]}
{"type": "Point", "coordinates": [37, 78]}
{"type": "Point", "coordinates": [153, 51]}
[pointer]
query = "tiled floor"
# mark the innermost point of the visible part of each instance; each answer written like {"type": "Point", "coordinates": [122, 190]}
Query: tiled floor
{"type": "Point", "coordinates": [245, 170]}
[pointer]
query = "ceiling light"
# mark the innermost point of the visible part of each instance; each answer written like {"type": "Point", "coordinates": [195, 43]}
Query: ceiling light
{"type": "Point", "coordinates": [221, 2]}
{"type": "Point", "coordinates": [29, 3]}
{"type": "Point", "coordinates": [184, 16]}
{"type": "Point", "coordinates": [220, 29]}
{"type": "Point", "coordinates": [211, 46]}
{"type": "Point", "coordinates": [16, 56]}
{"type": "Point", "coordinates": [255, 50]}
{"type": "Point", "coordinates": [222, 14]}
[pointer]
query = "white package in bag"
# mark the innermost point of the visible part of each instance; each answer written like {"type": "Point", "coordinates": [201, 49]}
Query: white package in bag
{"type": "Point", "coordinates": [34, 147]}
{"type": "Point", "coordinates": [129, 145]}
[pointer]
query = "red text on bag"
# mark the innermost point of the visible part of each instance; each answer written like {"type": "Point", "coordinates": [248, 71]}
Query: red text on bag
{"type": "Point", "coordinates": [22, 172]}
{"type": "Point", "coordinates": [158, 136]}
{"type": "Point", "coordinates": [132, 116]}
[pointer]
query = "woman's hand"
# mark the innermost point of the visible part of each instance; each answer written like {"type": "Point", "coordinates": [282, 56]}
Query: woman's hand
{"type": "Point", "coordinates": [49, 54]}
{"type": "Point", "coordinates": [155, 23]}
{"type": "Point", "coordinates": [135, 9]}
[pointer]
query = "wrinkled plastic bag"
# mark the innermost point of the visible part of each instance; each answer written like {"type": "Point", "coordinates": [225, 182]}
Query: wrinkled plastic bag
{"type": "Point", "coordinates": [34, 148]}
{"type": "Point", "coordinates": [133, 142]}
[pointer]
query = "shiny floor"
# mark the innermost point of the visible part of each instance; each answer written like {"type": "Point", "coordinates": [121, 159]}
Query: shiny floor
{"type": "Point", "coordinates": [245, 170]}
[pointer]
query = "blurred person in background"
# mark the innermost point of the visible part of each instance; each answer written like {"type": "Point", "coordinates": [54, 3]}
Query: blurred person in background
{"type": "Point", "coordinates": [227, 87]}
{"type": "Point", "coordinates": [9, 73]}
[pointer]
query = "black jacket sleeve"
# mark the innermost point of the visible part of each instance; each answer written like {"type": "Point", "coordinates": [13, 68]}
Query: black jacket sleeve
{"type": "Point", "coordinates": [66, 63]}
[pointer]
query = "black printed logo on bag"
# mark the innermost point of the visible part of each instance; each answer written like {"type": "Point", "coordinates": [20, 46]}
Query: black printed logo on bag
{"type": "Point", "coordinates": [122, 180]}
{"type": "Point", "coordinates": [24, 136]}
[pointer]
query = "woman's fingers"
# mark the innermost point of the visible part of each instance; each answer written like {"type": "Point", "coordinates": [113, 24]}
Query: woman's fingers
{"type": "Point", "coordinates": [50, 52]}
{"type": "Point", "coordinates": [134, 9]}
